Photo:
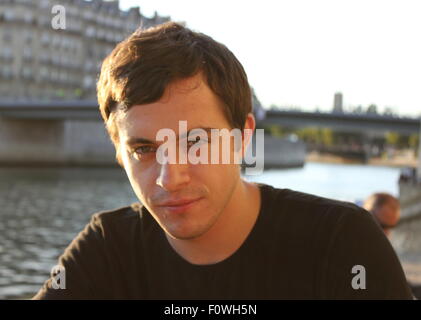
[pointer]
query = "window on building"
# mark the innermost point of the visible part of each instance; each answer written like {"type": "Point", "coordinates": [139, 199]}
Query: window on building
{"type": "Point", "coordinates": [27, 53]}
{"type": "Point", "coordinates": [65, 61]}
{"type": "Point", "coordinates": [100, 34]}
{"type": "Point", "coordinates": [55, 59]}
{"type": "Point", "coordinates": [89, 65]}
{"type": "Point", "coordinates": [27, 73]}
{"type": "Point", "coordinates": [27, 36]}
{"type": "Point", "coordinates": [90, 32]}
{"type": "Point", "coordinates": [73, 10]}
{"type": "Point", "coordinates": [6, 53]}
{"type": "Point", "coordinates": [7, 36]}
{"type": "Point", "coordinates": [87, 82]}
{"type": "Point", "coordinates": [44, 4]}
{"type": "Point", "coordinates": [9, 15]}
{"type": "Point", "coordinates": [63, 77]}
{"type": "Point", "coordinates": [44, 57]}
{"type": "Point", "coordinates": [109, 36]}
{"type": "Point", "coordinates": [56, 41]}
{"type": "Point", "coordinates": [117, 37]}
{"type": "Point", "coordinates": [45, 38]}
{"type": "Point", "coordinates": [28, 17]}
{"type": "Point", "coordinates": [44, 73]}
{"type": "Point", "coordinates": [54, 75]}
{"type": "Point", "coordinates": [6, 71]}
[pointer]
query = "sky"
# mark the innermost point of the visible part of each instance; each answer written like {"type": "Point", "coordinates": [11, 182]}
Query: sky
{"type": "Point", "coordinates": [300, 52]}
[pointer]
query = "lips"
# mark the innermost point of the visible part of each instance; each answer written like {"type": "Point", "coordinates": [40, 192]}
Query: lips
{"type": "Point", "coordinates": [176, 203]}
{"type": "Point", "coordinates": [179, 205]}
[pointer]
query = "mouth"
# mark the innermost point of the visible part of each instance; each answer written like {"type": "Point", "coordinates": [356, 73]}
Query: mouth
{"type": "Point", "coordinates": [180, 206]}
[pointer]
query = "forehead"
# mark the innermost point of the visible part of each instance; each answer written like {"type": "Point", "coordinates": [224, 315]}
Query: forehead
{"type": "Point", "coordinates": [189, 99]}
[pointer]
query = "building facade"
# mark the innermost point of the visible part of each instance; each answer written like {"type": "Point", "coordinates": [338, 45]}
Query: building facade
{"type": "Point", "coordinates": [338, 103]}
{"type": "Point", "coordinates": [38, 62]}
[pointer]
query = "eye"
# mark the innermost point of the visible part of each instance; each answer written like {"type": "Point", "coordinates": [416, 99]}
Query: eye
{"type": "Point", "coordinates": [199, 140]}
{"type": "Point", "coordinates": [144, 150]}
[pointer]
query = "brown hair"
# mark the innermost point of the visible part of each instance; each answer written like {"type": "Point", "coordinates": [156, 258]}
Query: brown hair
{"type": "Point", "coordinates": [139, 69]}
{"type": "Point", "coordinates": [378, 200]}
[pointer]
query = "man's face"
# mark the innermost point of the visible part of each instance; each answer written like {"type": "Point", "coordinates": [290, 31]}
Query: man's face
{"type": "Point", "coordinates": [156, 184]}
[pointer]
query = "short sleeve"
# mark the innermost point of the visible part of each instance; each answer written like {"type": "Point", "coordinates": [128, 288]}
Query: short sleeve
{"type": "Point", "coordinates": [361, 262]}
{"type": "Point", "coordinates": [84, 267]}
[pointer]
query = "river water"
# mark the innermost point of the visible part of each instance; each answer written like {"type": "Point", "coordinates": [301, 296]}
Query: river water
{"type": "Point", "coordinates": [42, 210]}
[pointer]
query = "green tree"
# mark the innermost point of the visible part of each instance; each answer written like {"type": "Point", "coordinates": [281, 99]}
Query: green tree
{"type": "Point", "coordinates": [326, 136]}
{"type": "Point", "coordinates": [392, 138]}
{"type": "Point", "coordinates": [372, 109]}
{"type": "Point", "coordinates": [414, 141]}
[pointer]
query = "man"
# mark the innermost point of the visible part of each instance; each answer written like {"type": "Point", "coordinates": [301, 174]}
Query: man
{"type": "Point", "coordinates": [385, 209]}
{"type": "Point", "coordinates": [202, 232]}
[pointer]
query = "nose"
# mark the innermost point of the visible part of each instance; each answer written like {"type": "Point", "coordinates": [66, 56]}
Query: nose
{"type": "Point", "coordinates": [173, 177]}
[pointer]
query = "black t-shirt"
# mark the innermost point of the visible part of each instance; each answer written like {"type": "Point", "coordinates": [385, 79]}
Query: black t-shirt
{"type": "Point", "coordinates": [301, 247]}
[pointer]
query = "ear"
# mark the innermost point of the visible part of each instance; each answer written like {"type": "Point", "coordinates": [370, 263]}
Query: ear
{"type": "Point", "coordinates": [249, 127]}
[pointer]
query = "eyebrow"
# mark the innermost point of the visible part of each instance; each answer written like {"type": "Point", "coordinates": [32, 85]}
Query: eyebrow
{"type": "Point", "coordinates": [140, 140]}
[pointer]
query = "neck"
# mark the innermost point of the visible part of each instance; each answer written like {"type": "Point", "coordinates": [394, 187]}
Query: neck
{"type": "Point", "coordinates": [229, 232]}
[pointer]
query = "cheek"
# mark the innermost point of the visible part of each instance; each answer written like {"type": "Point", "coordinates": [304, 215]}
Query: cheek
{"type": "Point", "coordinates": [141, 178]}
{"type": "Point", "coordinates": [218, 178]}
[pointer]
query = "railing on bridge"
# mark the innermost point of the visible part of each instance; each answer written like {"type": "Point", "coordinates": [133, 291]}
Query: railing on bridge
{"type": "Point", "coordinates": [37, 110]}
{"type": "Point", "coordinates": [342, 121]}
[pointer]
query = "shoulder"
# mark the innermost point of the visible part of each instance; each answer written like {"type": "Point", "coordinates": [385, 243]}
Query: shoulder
{"type": "Point", "coordinates": [120, 215]}
{"type": "Point", "coordinates": [306, 219]}
{"type": "Point", "coordinates": [296, 205]}
{"type": "Point", "coordinates": [121, 221]}
{"type": "Point", "coordinates": [96, 255]}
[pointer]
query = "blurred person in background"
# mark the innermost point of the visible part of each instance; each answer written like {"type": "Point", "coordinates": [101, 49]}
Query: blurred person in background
{"type": "Point", "coordinates": [386, 210]}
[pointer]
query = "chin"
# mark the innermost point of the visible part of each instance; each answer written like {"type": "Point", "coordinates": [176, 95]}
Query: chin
{"type": "Point", "coordinates": [184, 234]}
